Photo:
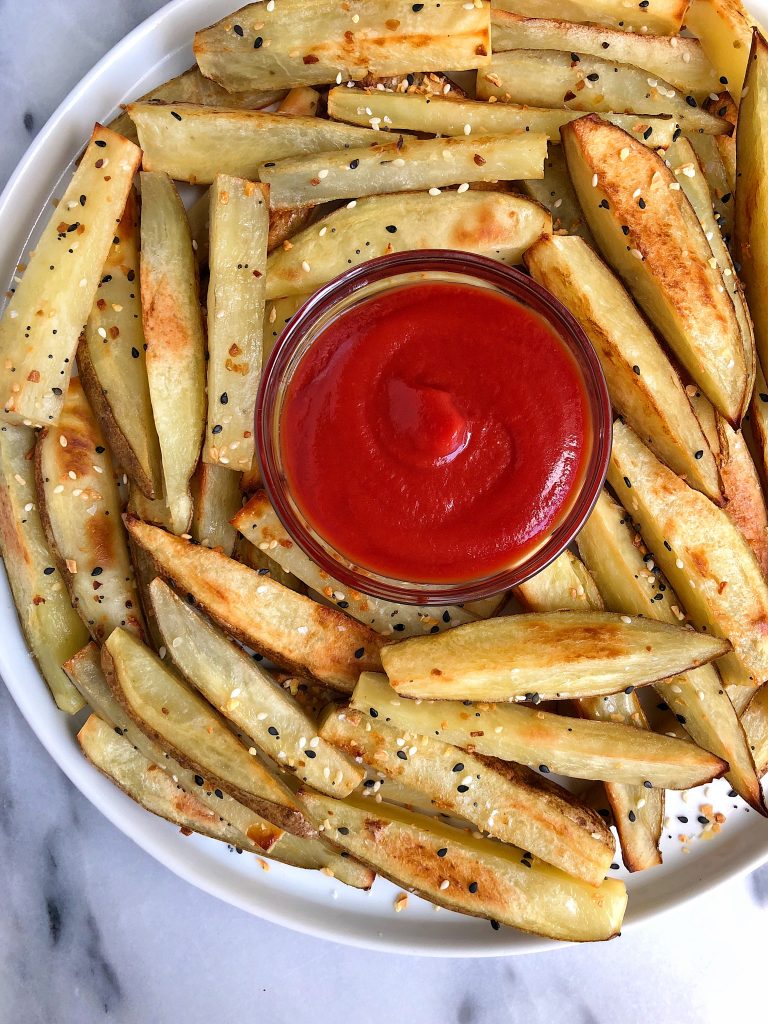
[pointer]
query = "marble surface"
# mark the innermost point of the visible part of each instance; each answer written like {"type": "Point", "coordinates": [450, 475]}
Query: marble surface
{"type": "Point", "coordinates": [93, 929]}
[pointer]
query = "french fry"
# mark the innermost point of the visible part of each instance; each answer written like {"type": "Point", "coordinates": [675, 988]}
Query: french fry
{"type": "Point", "coordinates": [193, 733]}
{"type": "Point", "coordinates": [42, 322]}
{"type": "Point", "coordinates": [630, 582]}
{"type": "Point", "coordinates": [303, 100]}
{"type": "Point", "coordinates": [558, 655]}
{"type": "Point", "coordinates": [724, 28]}
{"type": "Point", "coordinates": [755, 722]}
{"type": "Point", "coordinates": [193, 143]}
{"type": "Point", "coordinates": [84, 669]}
{"type": "Point", "coordinates": [53, 629]}
{"type": "Point", "coordinates": [217, 497]}
{"type": "Point", "coordinates": [638, 812]}
{"type": "Point", "coordinates": [751, 247]}
{"type": "Point", "coordinates": [80, 511]}
{"type": "Point", "coordinates": [663, 16]}
{"type": "Point", "coordinates": [112, 364]}
{"type": "Point", "coordinates": [239, 224]}
{"type": "Point", "coordinates": [192, 87]}
{"type": "Point", "coordinates": [402, 166]}
{"type": "Point", "coordinates": [248, 554]}
{"type": "Point", "coordinates": [581, 749]}
{"type": "Point", "coordinates": [710, 158]}
{"type": "Point", "coordinates": [259, 524]}
{"type": "Point", "coordinates": [501, 226]}
{"type": "Point", "coordinates": [247, 695]}
{"type": "Point", "coordinates": [642, 235]}
{"type": "Point", "coordinates": [175, 342]}
{"type": "Point", "coordinates": [312, 42]}
{"type": "Point", "coordinates": [644, 386]}
{"type": "Point", "coordinates": [724, 106]}
{"type": "Point", "coordinates": [147, 784]}
{"type": "Point", "coordinates": [681, 61]}
{"type": "Point", "coordinates": [443, 115]}
{"type": "Point", "coordinates": [291, 630]}
{"type": "Point", "coordinates": [483, 878]}
{"type": "Point", "coordinates": [509, 802]}
{"type": "Point", "coordinates": [682, 159]}
{"type": "Point", "coordinates": [745, 502]}
{"type": "Point", "coordinates": [555, 193]}
{"type": "Point", "coordinates": [699, 549]}
{"type": "Point", "coordinates": [551, 78]}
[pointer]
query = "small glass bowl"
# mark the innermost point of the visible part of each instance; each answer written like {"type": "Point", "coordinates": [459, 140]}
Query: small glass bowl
{"type": "Point", "coordinates": [349, 290]}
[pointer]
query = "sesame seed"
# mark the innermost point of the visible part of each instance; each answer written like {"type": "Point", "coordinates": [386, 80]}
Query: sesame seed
{"type": "Point", "coordinates": [305, 267]}
{"type": "Point", "coordinates": [434, 191]}
{"type": "Point", "coordinates": [594, 181]}
{"type": "Point", "coordinates": [626, 619]}
{"type": "Point", "coordinates": [444, 884]}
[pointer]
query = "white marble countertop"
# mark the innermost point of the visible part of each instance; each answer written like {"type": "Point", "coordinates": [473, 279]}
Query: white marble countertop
{"type": "Point", "coordinates": [92, 929]}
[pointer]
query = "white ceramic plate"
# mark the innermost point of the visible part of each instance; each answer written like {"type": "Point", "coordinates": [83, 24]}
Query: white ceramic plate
{"type": "Point", "coordinates": [306, 901]}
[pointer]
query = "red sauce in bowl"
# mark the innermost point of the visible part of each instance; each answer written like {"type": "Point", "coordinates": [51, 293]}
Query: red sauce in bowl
{"type": "Point", "coordinates": [437, 432]}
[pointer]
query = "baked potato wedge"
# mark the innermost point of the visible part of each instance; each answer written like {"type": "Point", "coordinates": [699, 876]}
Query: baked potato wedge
{"type": "Point", "coordinates": [699, 549]}
{"type": "Point", "coordinates": [259, 524]}
{"type": "Point", "coordinates": [51, 626]}
{"type": "Point", "coordinates": [444, 115]}
{"type": "Point", "coordinates": [580, 749]}
{"type": "Point", "coordinates": [641, 224]}
{"type": "Point", "coordinates": [194, 143]}
{"type": "Point", "coordinates": [505, 800]}
{"type": "Point", "coordinates": [755, 722]}
{"type": "Point", "coordinates": [723, 106]}
{"type": "Point", "coordinates": [721, 190]}
{"type": "Point", "coordinates": [559, 655]}
{"type": "Point", "coordinates": [555, 193]}
{"type": "Point", "coordinates": [248, 554]}
{"type": "Point", "coordinates": [313, 42]}
{"type": "Point", "coordinates": [638, 812]}
{"type": "Point", "coordinates": [193, 87]}
{"type": "Point", "coordinates": [247, 695]}
{"type": "Point", "coordinates": [644, 387]}
{"type": "Point", "coordinates": [239, 225]}
{"type": "Point", "coordinates": [173, 329]}
{"type": "Point", "coordinates": [190, 730]}
{"type": "Point", "coordinates": [484, 878]}
{"type": "Point", "coordinates": [216, 498]}
{"type": "Point", "coordinates": [744, 498]}
{"type": "Point", "coordinates": [291, 630]}
{"type": "Point", "coordinates": [80, 511]}
{"type": "Point", "coordinates": [662, 16]}
{"type": "Point", "coordinates": [552, 78]}
{"type": "Point", "coordinates": [407, 165]}
{"type": "Point", "coordinates": [495, 224]}
{"type": "Point", "coordinates": [41, 324]}
{"type": "Point", "coordinates": [724, 28]}
{"type": "Point", "coordinates": [84, 669]}
{"type": "Point", "coordinates": [679, 60]}
{"type": "Point", "coordinates": [751, 244]}
{"type": "Point", "coordinates": [111, 361]}
{"type": "Point", "coordinates": [629, 581]}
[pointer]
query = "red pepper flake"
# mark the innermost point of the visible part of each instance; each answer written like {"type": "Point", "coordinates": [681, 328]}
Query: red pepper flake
{"type": "Point", "coordinates": [99, 164]}
{"type": "Point", "coordinates": [311, 59]}
{"type": "Point", "coordinates": [479, 160]}
{"type": "Point", "coordinates": [481, 51]}
{"type": "Point", "coordinates": [34, 376]}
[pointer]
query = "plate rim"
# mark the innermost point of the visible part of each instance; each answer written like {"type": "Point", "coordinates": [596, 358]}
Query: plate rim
{"type": "Point", "coordinates": [23, 679]}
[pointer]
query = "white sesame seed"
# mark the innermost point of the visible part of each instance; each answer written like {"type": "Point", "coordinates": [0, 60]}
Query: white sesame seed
{"type": "Point", "coordinates": [444, 884]}
{"type": "Point", "coordinates": [84, 282]}
{"type": "Point", "coordinates": [434, 191]}
{"type": "Point", "coordinates": [594, 181]}
{"type": "Point", "coordinates": [13, 314]}
{"type": "Point", "coordinates": [314, 741]}
{"type": "Point", "coordinates": [252, 751]}
{"type": "Point", "coordinates": [62, 441]}
{"type": "Point", "coordinates": [626, 618]}
{"type": "Point", "coordinates": [637, 193]}
{"type": "Point", "coordinates": [323, 173]}
{"type": "Point", "coordinates": [271, 5]}
{"type": "Point", "coordinates": [261, 716]}
{"type": "Point", "coordinates": [464, 187]}
{"type": "Point", "coordinates": [624, 153]}
{"type": "Point", "coordinates": [636, 253]}
{"type": "Point", "coordinates": [557, 204]}
{"type": "Point", "coordinates": [352, 204]}
{"type": "Point", "coordinates": [58, 488]}
{"type": "Point", "coordinates": [303, 630]}
{"type": "Point", "coordinates": [467, 129]}
{"type": "Point", "coordinates": [679, 563]}
{"type": "Point", "coordinates": [305, 267]}
{"type": "Point", "coordinates": [72, 474]}
{"type": "Point", "coordinates": [355, 18]}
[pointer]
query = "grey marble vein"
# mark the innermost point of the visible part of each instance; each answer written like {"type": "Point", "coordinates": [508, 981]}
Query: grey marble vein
{"type": "Point", "coordinates": [92, 929]}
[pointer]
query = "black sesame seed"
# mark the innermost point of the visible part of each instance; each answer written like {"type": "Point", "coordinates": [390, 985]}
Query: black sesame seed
{"type": "Point", "coordinates": [97, 571]}
{"type": "Point", "coordinates": [604, 204]}
{"type": "Point", "coordinates": [273, 731]}
{"type": "Point", "coordinates": [726, 198]}
{"type": "Point", "coordinates": [373, 712]}
{"type": "Point", "coordinates": [647, 133]}
{"type": "Point", "coordinates": [648, 785]}
{"type": "Point", "coordinates": [641, 203]}
{"type": "Point", "coordinates": [418, 7]}
{"type": "Point", "coordinates": [199, 780]}
{"type": "Point", "coordinates": [135, 353]}
{"type": "Point", "coordinates": [218, 793]}
{"type": "Point", "coordinates": [343, 830]}
{"type": "Point", "coordinates": [723, 80]}
{"type": "Point", "coordinates": [676, 134]}
{"type": "Point", "coordinates": [100, 449]}
{"type": "Point", "coordinates": [632, 816]}
{"type": "Point", "coordinates": [238, 30]}
{"type": "Point", "coordinates": [446, 616]}
{"type": "Point", "coordinates": [354, 164]}
{"type": "Point", "coordinates": [101, 144]}
{"type": "Point", "coordinates": [629, 689]}
{"type": "Point", "coordinates": [543, 768]}
{"type": "Point", "coordinates": [224, 398]}
{"type": "Point", "coordinates": [472, 887]}
{"type": "Point", "coordinates": [391, 229]}
{"type": "Point", "coordinates": [458, 767]}
{"type": "Point", "coordinates": [699, 454]}
{"type": "Point", "coordinates": [258, 42]}
{"type": "Point", "coordinates": [732, 793]}
{"type": "Point", "coordinates": [217, 429]}
{"type": "Point", "coordinates": [627, 481]}
{"type": "Point", "coordinates": [614, 867]}
{"type": "Point", "coordinates": [644, 3]}
{"type": "Point", "coordinates": [682, 819]}
{"type": "Point", "coordinates": [495, 925]}
{"type": "Point", "coordinates": [636, 369]}
{"type": "Point", "coordinates": [625, 229]}
{"type": "Point", "coordinates": [399, 627]}
{"type": "Point", "coordinates": [310, 754]}
{"type": "Point", "coordinates": [359, 652]}
{"type": "Point", "coordinates": [131, 276]}
{"type": "Point", "coordinates": [435, 629]}
{"type": "Point", "coordinates": [667, 545]}
{"type": "Point", "coordinates": [593, 77]}
{"type": "Point", "coordinates": [402, 755]}
{"type": "Point", "coordinates": [681, 719]}
{"type": "Point", "coordinates": [702, 820]}
{"type": "Point", "coordinates": [263, 572]}
{"type": "Point", "coordinates": [57, 391]}
{"type": "Point", "coordinates": [575, 58]}
{"type": "Point", "coordinates": [49, 571]}
{"type": "Point", "coordinates": [174, 114]}
{"type": "Point", "coordinates": [462, 789]}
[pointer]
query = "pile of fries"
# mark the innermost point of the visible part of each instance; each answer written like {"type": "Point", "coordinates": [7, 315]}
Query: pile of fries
{"type": "Point", "coordinates": [234, 688]}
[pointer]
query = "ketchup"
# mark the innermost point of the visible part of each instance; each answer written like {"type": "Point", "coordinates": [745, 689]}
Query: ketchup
{"type": "Point", "coordinates": [436, 433]}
